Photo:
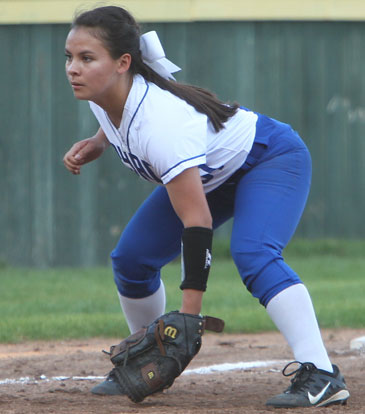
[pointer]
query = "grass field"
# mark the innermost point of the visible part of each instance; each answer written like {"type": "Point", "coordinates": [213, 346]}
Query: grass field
{"type": "Point", "coordinates": [80, 303]}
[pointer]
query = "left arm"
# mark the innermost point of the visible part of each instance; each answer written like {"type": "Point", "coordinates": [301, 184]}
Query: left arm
{"type": "Point", "coordinates": [190, 204]}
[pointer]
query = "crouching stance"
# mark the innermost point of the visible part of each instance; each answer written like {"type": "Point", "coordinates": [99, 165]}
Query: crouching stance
{"type": "Point", "coordinates": [212, 161]}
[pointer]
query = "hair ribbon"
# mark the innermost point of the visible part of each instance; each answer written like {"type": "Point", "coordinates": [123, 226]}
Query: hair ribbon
{"type": "Point", "coordinates": [153, 55]}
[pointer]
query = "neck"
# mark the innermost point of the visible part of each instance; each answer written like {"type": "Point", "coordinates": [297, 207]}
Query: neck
{"type": "Point", "coordinates": [113, 103]}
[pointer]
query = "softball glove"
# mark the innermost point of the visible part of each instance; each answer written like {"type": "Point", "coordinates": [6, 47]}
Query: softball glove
{"type": "Point", "coordinates": [149, 360]}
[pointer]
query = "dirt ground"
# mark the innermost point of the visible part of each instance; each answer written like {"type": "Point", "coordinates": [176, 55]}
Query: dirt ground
{"type": "Point", "coordinates": [28, 382]}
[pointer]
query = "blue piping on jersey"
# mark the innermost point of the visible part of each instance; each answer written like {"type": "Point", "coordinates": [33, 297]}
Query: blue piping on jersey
{"type": "Point", "coordinates": [188, 159]}
{"type": "Point", "coordinates": [135, 113]}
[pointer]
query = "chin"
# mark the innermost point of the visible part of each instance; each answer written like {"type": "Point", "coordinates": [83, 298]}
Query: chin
{"type": "Point", "coordinates": [81, 96]}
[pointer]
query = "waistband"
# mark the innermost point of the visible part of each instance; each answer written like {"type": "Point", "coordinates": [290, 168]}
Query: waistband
{"type": "Point", "coordinates": [266, 128]}
{"type": "Point", "coordinates": [257, 150]}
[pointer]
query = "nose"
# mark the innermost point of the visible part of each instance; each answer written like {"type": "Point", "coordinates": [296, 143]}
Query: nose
{"type": "Point", "coordinates": [72, 68]}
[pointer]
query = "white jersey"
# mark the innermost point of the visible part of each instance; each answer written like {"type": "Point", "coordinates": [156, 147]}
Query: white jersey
{"type": "Point", "coordinates": [161, 135]}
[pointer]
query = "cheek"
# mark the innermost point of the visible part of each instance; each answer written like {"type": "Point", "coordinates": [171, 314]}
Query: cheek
{"type": "Point", "coordinates": [101, 75]}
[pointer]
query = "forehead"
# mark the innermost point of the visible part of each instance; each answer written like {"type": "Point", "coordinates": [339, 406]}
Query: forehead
{"type": "Point", "coordinates": [84, 38]}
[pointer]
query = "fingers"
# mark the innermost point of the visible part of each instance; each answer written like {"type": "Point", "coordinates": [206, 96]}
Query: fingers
{"type": "Point", "coordinates": [76, 150]}
{"type": "Point", "coordinates": [83, 152]}
{"type": "Point", "coordinates": [71, 165]}
{"type": "Point", "coordinates": [81, 155]}
{"type": "Point", "coordinates": [73, 159]}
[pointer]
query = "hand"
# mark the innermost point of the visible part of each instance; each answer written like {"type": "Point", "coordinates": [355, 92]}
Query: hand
{"type": "Point", "coordinates": [83, 152]}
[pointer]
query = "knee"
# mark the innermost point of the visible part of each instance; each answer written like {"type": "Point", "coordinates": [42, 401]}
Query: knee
{"type": "Point", "coordinates": [124, 259]}
{"type": "Point", "coordinates": [263, 271]}
{"type": "Point", "coordinates": [250, 261]}
{"type": "Point", "coordinates": [134, 277]}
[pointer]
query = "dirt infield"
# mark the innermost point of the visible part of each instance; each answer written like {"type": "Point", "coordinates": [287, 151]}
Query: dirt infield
{"type": "Point", "coordinates": [33, 368]}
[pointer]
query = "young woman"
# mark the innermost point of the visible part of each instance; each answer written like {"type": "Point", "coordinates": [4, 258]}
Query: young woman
{"type": "Point", "coordinates": [213, 161]}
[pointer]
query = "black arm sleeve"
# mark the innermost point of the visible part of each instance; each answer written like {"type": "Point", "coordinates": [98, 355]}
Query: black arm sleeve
{"type": "Point", "coordinates": [196, 252]}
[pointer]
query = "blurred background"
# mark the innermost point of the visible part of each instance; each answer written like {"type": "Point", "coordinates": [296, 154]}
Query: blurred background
{"type": "Point", "coordinates": [301, 62]}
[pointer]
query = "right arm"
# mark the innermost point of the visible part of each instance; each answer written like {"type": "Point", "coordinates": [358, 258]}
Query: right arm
{"type": "Point", "coordinates": [188, 199]}
{"type": "Point", "coordinates": [85, 151]}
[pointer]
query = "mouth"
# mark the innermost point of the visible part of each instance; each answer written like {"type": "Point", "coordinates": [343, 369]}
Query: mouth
{"type": "Point", "coordinates": [76, 85]}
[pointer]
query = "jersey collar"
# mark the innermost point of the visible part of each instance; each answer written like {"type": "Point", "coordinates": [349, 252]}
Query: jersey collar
{"type": "Point", "coordinates": [133, 103]}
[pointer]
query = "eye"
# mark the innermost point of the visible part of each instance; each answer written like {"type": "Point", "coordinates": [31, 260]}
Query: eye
{"type": "Point", "coordinates": [68, 57]}
{"type": "Point", "coordinates": [87, 59]}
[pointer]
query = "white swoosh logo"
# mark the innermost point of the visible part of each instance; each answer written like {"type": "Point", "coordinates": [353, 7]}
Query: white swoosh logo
{"type": "Point", "coordinates": [315, 398]}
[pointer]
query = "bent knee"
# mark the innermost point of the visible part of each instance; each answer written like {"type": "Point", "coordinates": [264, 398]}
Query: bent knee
{"type": "Point", "coordinates": [133, 277]}
{"type": "Point", "coordinates": [263, 271]}
{"type": "Point", "coordinates": [251, 260]}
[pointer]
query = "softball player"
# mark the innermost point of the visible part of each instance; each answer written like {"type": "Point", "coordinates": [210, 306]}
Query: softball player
{"type": "Point", "coordinates": [212, 161]}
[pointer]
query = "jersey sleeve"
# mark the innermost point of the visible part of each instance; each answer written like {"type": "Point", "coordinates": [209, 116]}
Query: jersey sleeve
{"type": "Point", "coordinates": [179, 142]}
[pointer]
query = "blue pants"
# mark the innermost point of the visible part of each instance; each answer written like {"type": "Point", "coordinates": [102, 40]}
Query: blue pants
{"type": "Point", "coordinates": [266, 198]}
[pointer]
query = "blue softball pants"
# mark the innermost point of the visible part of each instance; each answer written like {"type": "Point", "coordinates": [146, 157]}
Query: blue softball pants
{"type": "Point", "coordinates": [266, 198]}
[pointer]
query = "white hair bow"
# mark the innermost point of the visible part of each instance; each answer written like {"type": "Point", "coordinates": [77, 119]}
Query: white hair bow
{"type": "Point", "coordinates": [153, 55]}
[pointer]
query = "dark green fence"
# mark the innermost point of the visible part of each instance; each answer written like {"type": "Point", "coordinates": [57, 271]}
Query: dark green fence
{"type": "Point", "coordinates": [310, 75]}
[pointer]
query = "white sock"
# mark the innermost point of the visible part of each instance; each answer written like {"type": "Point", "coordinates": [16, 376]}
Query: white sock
{"type": "Point", "coordinates": [292, 312]}
{"type": "Point", "coordinates": [142, 312]}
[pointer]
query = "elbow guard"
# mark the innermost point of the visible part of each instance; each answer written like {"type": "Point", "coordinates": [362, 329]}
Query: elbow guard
{"type": "Point", "coordinates": [196, 256]}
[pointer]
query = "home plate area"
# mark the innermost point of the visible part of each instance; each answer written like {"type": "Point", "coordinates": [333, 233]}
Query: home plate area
{"type": "Point", "coordinates": [231, 374]}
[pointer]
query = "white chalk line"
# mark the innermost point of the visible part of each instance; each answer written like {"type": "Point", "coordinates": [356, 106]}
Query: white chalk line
{"type": "Point", "coordinates": [242, 366]}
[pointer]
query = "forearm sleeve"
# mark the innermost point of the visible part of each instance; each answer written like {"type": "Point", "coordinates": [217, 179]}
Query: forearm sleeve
{"type": "Point", "coordinates": [196, 255]}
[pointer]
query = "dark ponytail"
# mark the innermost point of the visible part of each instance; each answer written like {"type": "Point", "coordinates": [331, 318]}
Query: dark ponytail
{"type": "Point", "coordinates": [120, 33]}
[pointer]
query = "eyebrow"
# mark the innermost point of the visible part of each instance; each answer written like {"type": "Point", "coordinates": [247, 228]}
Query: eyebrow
{"type": "Point", "coordinates": [83, 52]}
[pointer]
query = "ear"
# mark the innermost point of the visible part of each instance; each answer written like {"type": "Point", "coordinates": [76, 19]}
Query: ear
{"type": "Point", "coordinates": [124, 62]}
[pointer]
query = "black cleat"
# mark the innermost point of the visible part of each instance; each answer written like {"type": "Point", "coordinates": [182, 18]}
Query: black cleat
{"type": "Point", "coordinates": [311, 387]}
{"type": "Point", "coordinates": [109, 387]}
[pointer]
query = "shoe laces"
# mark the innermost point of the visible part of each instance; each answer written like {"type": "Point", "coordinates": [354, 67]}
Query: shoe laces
{"type": "Point", "coordinates": [302, 374]}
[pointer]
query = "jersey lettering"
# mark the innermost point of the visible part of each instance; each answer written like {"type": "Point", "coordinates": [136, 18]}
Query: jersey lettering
{"type": "Point", "coordinates": [150, 172]}
{"type": "Point", "coordinates": [144, 170]}
{"type": "Point", "coordinates": [137, 166]}
{"type": "Point", "coordinates": [207, 177]}
{"type": "Point", "coordinates": [140, 167]}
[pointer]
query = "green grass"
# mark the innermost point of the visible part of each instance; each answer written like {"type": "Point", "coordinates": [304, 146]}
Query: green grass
{"type": "Point", "coordinates": [81, 303]}
{"type": "Point", "coordinates": [307, 248]}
